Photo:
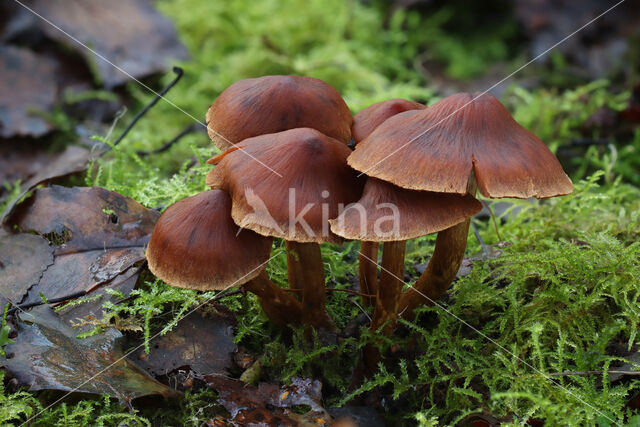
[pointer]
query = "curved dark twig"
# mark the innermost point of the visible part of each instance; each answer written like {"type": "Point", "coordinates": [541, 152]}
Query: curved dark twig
{"type": "Point", "coordinates": [179, 73]}
{"type": "Point", "coordinates": [195, 127]}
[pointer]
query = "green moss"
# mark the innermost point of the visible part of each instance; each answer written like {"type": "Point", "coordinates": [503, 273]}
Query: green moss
{"type": "Point", "coordinates": [562, 297]}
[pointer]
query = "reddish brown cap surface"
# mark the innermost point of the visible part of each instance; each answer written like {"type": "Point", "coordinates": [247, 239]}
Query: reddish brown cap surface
{"type": "Point", "coordinates": [196, 245]}
{"type": "Point", "coordinates": [314, 180]}
{"type": "Point", "coordinates": [389, 213]}
{"type": "Point", "coordinates": [273, 104]}
{"type": "Point", "coordinates": [374, 115]}
{"type": "Point", "coordinates": [436, 149]}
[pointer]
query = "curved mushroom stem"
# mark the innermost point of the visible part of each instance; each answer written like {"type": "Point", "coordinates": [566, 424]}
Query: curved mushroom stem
{"type": "Point", "coordinates": [294, 268]}
{"type": "Point", "coordinates": [441, 271]}
{"type": "Point", "coordinates": [391, 282]}
{"type": "Point", "coordinates": [443, 266]}
{"type": "Point", "coordinates": [313, 286]}
{"type": "Point", "coordinates": [279, 306]}
{"type": "Point", "coordinates": [368, 271]}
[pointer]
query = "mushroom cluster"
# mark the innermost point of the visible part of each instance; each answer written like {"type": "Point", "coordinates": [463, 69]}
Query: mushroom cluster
{"type": "Point", "coordinates": [288, 172]}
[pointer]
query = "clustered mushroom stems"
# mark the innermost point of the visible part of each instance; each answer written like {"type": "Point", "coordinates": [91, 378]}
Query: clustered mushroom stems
{"type": "Point", "coordinates": [443, 265]}
{"type": "Point", "coordinates": [322, 119]}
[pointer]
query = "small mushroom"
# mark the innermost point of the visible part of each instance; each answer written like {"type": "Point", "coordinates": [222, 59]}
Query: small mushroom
{"type": "Point", "coordinates": [196, 245]}
{"type": "Point", "coordinates": [296, 206]}
{"type": "Point", "coordinates": [447, 148]}
{"type": "Point", "coordinates": [273, 104]}
{"type": "Point", "coordinates": [365, 122]}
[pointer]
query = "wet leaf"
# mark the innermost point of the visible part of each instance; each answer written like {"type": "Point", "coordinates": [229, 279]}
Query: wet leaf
{"type": "Point", "coordinates": [130, 34]}
{"type": "Point", "coordinates": [72, 160]}
{"type": "Point", "coordinates": [83, 312]}
{"type": "Point", "coordinates": [270, 404]}
{"type": "Point", "coordinates": [28, 83]}
{"type": "Point", "coordinates": [201, 341]}
{"type": "Point", "coordinates": [96, 235]}
{"type": "Point", "coordinates": [46, 355]}
{"type": "Point", "coordinates": [23, 259]}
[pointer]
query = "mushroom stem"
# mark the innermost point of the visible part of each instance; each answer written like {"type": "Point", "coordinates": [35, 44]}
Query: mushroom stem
{"type": "Point", "coordinates": [391, 282]}
{"type": "Point", "coordinates": [279, 306]}
{"type": "Point", "coordinates": [388, 296]}
{"type": "Point", "coordinates": [294, 268]}
{"type": "Point", "coordinates": [441, 271]}
{"type": "Point", "coordinates": [443, 265]}
{"type": "Point", "coordinates": [313, 286]}
{"type": "Point", "coordinates": [368, 271]}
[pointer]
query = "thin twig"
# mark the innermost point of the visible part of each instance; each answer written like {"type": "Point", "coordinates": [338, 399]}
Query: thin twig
{"type": "Point", "coordinates": [493, 219]}
{"type": "Point", "coordinates": [485, 250]}
{"type": "Point", "coordinates": [179, 73]}
{"type": "Point", "coordinates": [195, 127]}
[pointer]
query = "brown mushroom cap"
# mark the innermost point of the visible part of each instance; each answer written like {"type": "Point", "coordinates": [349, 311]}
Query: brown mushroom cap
{"type": "Point", "coordinates": [314, 174]}
{"type": "Point", "coordinates": [418, 212]}
{"type": "Point", "coordinates": [273, 104]}
{"type": "Point", "coordinates": [196, 245]}
{"type": "Point", "coordinates": [374, 115]}
{"type": "Point", "coordinates": [436, 149]}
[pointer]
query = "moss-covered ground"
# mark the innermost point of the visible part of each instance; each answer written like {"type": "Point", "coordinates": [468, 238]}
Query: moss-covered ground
{"type": "Point", "coordinates": [562, 296]}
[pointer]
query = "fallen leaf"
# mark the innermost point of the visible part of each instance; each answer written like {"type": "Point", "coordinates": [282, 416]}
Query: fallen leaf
{"type": "Point", "coordinates": [46, 355]}
{"type": "Point", "coordinates": [96, 235]}
{"type": "Point", "coordinates": [72, 160]}
{"type": "Point", "coordinates": [23, 259]}
{"type": "Point", "coordinates": [270, 404]}
{"type": "Point", "coordinates": [28, 83]}
{"type": "Point", "coordinates": [202, 341]}
{"type": "Point", "coordinates": [132, 35]}
{"type": "Point", "coordinates": [124, 283]}
{"type": "Point", "coordinates": [92, 218]}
